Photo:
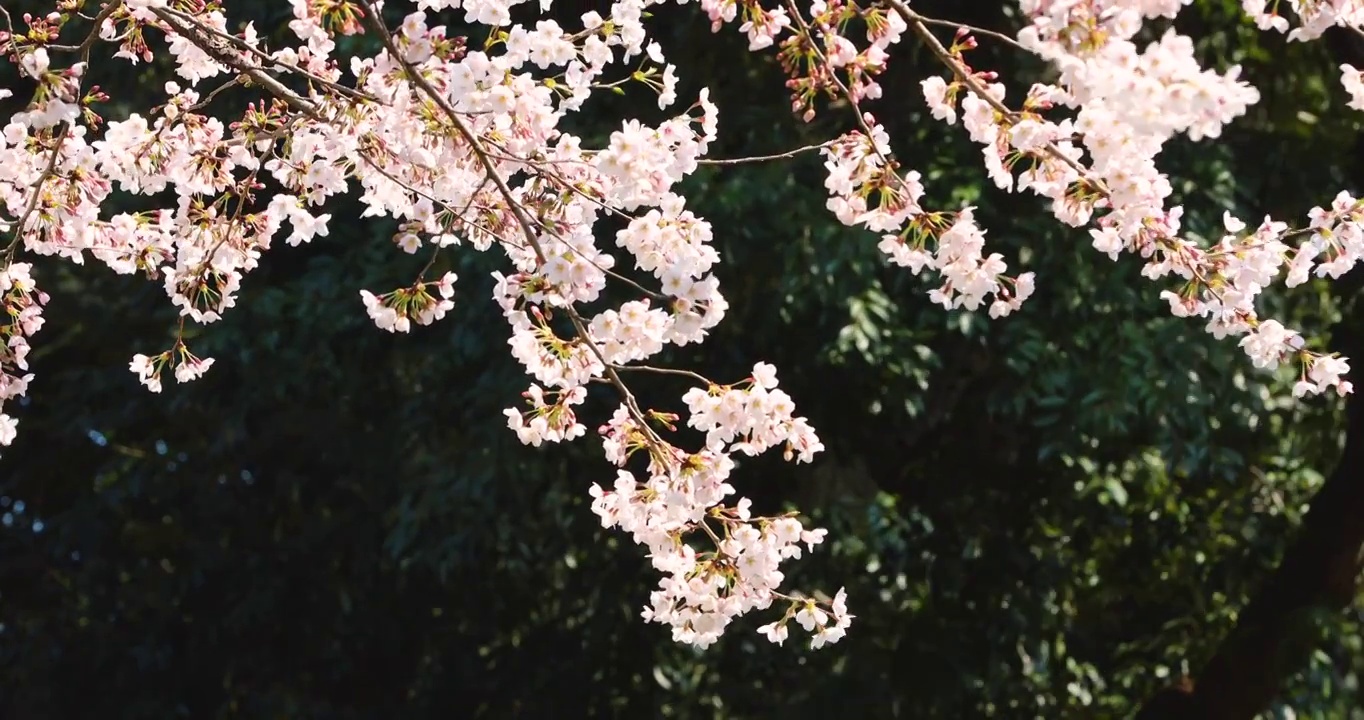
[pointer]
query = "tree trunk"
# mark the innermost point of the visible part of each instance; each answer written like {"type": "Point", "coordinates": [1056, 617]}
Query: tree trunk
{"type": "Point", "coordinates": [1319, 573]}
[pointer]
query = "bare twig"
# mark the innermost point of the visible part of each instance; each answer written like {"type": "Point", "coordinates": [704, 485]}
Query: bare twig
{"type": "Point", "coordinates": [766, 158]}
{"type": "Point", "coordinates": [977, 30]}
{"type": "Point", "coordinates": [666, 371]}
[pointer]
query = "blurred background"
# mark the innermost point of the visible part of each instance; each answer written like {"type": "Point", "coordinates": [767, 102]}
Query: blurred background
{"type": "Point", "coordinates": [1051, 515]}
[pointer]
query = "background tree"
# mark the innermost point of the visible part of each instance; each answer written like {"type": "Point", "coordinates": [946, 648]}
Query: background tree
{"type": "Point", "coordinates": [1052, 515]}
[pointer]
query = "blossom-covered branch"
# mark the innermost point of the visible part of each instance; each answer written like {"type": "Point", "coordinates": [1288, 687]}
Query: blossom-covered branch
{"type": "Point", "coordinates": [463, 148]}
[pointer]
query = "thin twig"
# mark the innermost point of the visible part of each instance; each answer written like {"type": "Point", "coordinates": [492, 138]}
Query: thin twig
{"type": "Point", "coordinates": [977, 30]}
{"type": "Point", "coordinates": [89, 42]}
{"type": "Point", "coordinates": [37, 187]}
{"type": "Point", "coordinates": [665, 371]}
{"type": "Point", "coordinates": [765, 158]}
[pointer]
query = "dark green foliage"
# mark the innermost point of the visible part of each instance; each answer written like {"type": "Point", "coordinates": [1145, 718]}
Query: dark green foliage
{"type": "Point", "coordinates": [1045, 516]}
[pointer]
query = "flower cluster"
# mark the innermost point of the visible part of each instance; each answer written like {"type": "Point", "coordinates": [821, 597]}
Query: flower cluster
{"type": "Point", "coordinates": [396, 311]}
{"type": "Point", "coordinates": [1353, 80]}
{"type": "Point", "coordinates": [1314, 16]}
{"type": "Point", "coordinates": [547, 422]}
{"type": "Point", "coordinates": [702, 591]}
{"type": "Point", "coordinates": [22, 303]}
{"type": "Point", "coordinates": [866, 190]}
{"type": "Point", "coordinates": [751, 419]}
{"type": "Point", "coordinates": [187, 365]}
